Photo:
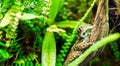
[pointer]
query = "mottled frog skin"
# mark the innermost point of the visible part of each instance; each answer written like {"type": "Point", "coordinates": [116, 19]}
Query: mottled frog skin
{"type": "Point", "coordinates": [88, 36]}
{"type": "Point", "coordinates": [83, 33]}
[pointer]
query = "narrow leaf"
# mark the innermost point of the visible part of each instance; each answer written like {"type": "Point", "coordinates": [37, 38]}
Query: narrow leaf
{"type": "Point", "coordinates": [4, 55]}
{"type": "Point", "coordinates": [54, 28]}
{"type": "Point", "coordinates": [9, 16]}
{"type": "Point", "coordinates": [55, 7]}
{"type": "Point", "coordinates": [28, 16]}
{"type": "Point", "coordinates": [68, 24]}
{"type": "Point", "coordinates": [49, 50]}
{"type": "Point", "coordinates": [2, 44]}
{"type": "Point", "coordinates": [6, 20]}
{"type": "Point", "coordinates": [95, 47]}
{"type": "Point", "coordinates": [19, 61]}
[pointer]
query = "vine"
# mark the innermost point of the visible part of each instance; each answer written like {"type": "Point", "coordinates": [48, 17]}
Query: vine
{"type": "Point", "coordinates": [67, 44]}
{"type": "Point", "coordinates": [32, 32]}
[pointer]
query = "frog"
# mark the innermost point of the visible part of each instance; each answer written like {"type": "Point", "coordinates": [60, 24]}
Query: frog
{"type": "Point", "coordinates": [88, 35]}
{"type": "Point", "coordinates": [83, 34]}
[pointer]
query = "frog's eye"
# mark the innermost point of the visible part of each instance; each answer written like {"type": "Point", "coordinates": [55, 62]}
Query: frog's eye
{"type": "Point", "coordinates": [86, 33]}
{"type": "Point", "coordinates": [79, 29]}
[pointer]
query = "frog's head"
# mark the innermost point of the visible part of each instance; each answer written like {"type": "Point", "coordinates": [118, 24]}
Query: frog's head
{"type": "Point", "coordinates": [84, 31]}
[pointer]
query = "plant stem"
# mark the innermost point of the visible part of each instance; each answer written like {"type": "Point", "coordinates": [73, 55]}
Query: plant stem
{"type": "Point", "coordinates": [96, 46]}
{"type": "Point", "coordinates": [84, 17]}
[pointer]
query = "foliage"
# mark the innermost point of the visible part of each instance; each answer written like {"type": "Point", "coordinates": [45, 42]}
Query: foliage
{"type": "Point", "coordinates": [41, 32]}
{"type": "Point", "coordinates": [49, 53]}
{"type": "Point", "coordinates": [96, 46]}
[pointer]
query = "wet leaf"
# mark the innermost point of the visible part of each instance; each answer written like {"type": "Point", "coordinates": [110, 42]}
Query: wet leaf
{"type": "Point", "coordinates": [49, 50]}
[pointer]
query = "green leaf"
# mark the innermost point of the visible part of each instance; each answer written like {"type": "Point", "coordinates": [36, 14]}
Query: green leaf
{"type": "Point", "coordinates": [4, 55]}
{"type": "Point", "coordinates": [23, 64]}
{"type": "Point", "coordinates": [2, 44]}
{"type": "Point", "coordinates": [31, 63]}
{"type": "Point", "coordinates": [19, 61]}
{"type": "Point", "coordinates": [28, 16]}
{"type": "Point", "coordinates": [9, 16]}
{"type": "Point", "coordinates": [96, 46]}
{"type": "Point", "coordinates": [37, 64]}
{"type": "Point", "coordinates": [16, 64]}
{"type": "Point", "coordinates": [54, 28]}
{"type": "Point", "coordinates": [6, 20]}
{"type": "Point", "coordinates": [49, 50]}
{"type": "Point", "coordinates": [68, 24]}
{"type": "Point", "coordinates": [115, 49]}
{"type": "Point", "coordinates": [27, 63]}
{"type": "Point", "coordinates": [54, 8]}
{"type": "Point", "coordinates": [33, 56]}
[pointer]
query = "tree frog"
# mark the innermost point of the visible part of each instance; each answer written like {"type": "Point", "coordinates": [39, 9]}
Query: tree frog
{"type": "Point", "coordinates": [84, 31]}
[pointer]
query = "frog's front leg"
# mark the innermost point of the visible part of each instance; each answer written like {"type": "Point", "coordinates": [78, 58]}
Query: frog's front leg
{"type": "Point", "coordinates": [72, 56]}
{"type": "Point", "coordinates": [81, 46]}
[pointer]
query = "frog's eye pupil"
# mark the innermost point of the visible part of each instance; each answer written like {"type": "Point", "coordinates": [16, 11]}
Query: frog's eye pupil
{"type": "Point", "coordinates": [84, 33]}
{"type": "Point", "coordinates": [79, 29]}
